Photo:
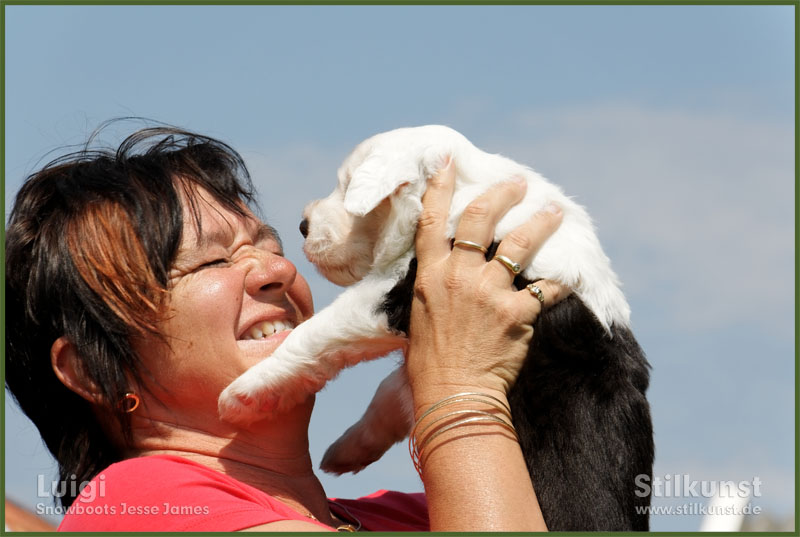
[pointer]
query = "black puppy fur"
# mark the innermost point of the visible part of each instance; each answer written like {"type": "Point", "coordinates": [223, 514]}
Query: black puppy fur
{"type": "Point", "coordinates": [580, 411]}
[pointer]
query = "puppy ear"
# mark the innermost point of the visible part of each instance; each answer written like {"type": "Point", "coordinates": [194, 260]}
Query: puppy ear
{"type": "Point", "coordinates": [372, 182]}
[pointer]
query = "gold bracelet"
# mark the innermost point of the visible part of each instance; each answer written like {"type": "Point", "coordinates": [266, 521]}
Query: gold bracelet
{"type": "Point", "coordinates": [457, 398]}
{"type": "Point", "coordinates": [415, 447]}
{"type": "Point", "coordinates": [486, 418]}
{"type": "Point", "coordinates": [465, 396]}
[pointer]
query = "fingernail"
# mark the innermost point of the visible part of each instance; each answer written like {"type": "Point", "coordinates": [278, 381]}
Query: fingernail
{"type": "Point", "coordinates": [518, 179]}
{"type": "Point", "coordinates": [551, 208]}
{"type": "Point", "coordinates": [448, 161]}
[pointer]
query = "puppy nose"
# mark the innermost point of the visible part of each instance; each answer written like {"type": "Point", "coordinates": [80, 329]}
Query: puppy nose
{"type": "Point", "coordinates": [304, 227]}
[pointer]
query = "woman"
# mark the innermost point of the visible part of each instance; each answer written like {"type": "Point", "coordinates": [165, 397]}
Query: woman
{"type": "Point", "coordinates": [140, 282]}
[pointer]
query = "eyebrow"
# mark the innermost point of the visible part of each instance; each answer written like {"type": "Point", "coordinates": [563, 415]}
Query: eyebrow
{"type": "Point", "coordinates": [219, 236]}
{"type": "Point", "coordinates": [266, 231]}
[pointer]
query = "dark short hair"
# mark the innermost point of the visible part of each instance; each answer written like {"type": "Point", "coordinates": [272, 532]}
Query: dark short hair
{"type": "Point", "coordinates": [89, 245]}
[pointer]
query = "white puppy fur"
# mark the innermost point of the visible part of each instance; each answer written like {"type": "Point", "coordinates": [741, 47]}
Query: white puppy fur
{"type": "Point", "coordinates": [362, 235]}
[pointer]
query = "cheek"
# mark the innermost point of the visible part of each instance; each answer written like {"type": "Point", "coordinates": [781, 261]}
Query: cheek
{"type": "Point", "coordinates": [197, 317]}
{"type": "Point", "coordinates": [212, 294]}
{"type": "Point", "coordinates": [205, 309]}
{"type": "Point", "coordinates": [300, 295]}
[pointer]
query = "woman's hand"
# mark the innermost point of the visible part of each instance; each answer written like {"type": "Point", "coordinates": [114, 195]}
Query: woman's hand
{"type": "Point", "coordinates": [470, 328]}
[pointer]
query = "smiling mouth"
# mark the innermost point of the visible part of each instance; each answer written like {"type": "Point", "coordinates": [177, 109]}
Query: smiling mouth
{"type": "Point", "coordinates": [266, 329]}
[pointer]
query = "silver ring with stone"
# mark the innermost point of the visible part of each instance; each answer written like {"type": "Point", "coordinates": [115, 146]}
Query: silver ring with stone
{"type": "Point", "coordinates": [536, 291]}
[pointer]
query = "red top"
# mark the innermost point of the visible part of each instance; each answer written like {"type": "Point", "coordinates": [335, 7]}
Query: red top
{"type": "Point", "coordinates": [167, 493]}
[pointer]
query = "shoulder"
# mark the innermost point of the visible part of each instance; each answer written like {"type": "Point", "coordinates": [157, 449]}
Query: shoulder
{"type": "Point", "coordinates": [168, 493]}
{"type": "Point", "coordinates": [386, 510]}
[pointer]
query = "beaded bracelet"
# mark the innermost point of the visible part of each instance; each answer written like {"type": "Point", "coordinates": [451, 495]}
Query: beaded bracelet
{"type": "Point", "coordinates": [416, 447]}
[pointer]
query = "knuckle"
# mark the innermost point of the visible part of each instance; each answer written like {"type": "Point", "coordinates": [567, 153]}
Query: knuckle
{"type": "Point", "coordinates": [429, 218]}
{"type": "Point", "coordinates": [437, 181]}
{"type": "Point", "coordinates": [506, 316]}
{"type": "Point", "coordinates": [520, 240]}
{"type": "Point", "coordinates": [486, 295]}
{"type": "Point", "coordinates": [477, 210]}
{"type": "Point", "coordinates": [422, 286]}
{"type": "Point", "coordinates": [425, 278]}
{"type": "Point", "coordinates": [452, 282]}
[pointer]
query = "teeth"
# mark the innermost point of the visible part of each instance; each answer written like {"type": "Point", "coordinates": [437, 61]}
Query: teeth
{"type": "Point", "coordinates": [267, 328]}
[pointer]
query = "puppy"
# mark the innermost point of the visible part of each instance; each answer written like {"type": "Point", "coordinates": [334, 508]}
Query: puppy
{"type": "Point", "coordinates": [579, 404]}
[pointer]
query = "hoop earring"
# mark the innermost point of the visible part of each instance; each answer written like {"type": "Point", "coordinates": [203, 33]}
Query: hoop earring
{"type": "Point", "coordinates": [129, 402]}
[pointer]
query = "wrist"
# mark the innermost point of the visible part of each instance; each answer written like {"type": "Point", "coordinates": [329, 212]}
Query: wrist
{"type": "Point", "coordinates": [435, 374]}
{"type": "Point", "coordinates": [463, 411]}
{"type": "Point", "coordinates": [428, 393]}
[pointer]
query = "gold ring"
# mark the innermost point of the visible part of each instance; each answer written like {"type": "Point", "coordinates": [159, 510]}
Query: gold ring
{"type": "Point", "coordinates": [513, 266]}
{"type": "Point", "coordinates": [536, 291]}
{"type": "Point", "coordinates": [470, 244]}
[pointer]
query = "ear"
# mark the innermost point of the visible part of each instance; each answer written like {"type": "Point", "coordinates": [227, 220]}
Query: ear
{"type": "Point", "coordinates": [69, 369]}
{"type": "Point", "coordinates": [373, 181]}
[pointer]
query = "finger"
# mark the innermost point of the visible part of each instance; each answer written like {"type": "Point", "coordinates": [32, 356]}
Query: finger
{"type": "Point", "coordinates": [431, 241]}
{"type": "Point", "coordinates": [522, 243]}
{"type": "Point", "coordinates": [482, 215]}
{"type": "Point", "coordinates": [552, 293]}
{"type": "Point", "coordinates": [474, 246]}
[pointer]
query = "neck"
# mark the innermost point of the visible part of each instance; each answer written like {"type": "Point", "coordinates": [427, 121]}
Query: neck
{"type": "Point", "coordinates": [271, 455]}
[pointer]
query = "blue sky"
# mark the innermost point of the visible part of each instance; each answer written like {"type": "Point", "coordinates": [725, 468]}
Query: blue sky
{"type": "Point", "coordinates": [673, 125]}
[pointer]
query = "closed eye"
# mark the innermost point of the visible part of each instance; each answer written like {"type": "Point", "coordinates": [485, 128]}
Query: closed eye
{"type": "Point", "coordinates": [215, 263]}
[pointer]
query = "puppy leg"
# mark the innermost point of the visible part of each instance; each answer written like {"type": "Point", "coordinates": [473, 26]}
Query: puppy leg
{"type": "Point", "coordinates": [387, 420]}
{"type": "Point", "coordinates": [348, 331]}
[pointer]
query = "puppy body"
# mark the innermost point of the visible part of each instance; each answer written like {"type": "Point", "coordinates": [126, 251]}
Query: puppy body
{"type": "Point", "coordinates": [394, 166]}
{"type": "Point", "coordinates": [584, 365]}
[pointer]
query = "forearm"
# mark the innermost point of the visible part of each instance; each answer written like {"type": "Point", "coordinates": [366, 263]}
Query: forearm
{"type": "Point", "coordinates": [470, 331]}
{"type": "Point", "coordinates": [475, 475]}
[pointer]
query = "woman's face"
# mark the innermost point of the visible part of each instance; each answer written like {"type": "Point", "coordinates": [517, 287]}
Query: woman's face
{"type": "Point", "coordinates": [233, 299]}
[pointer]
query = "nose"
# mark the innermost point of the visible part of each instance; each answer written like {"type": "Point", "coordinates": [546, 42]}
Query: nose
{"type": "Point", "coordinates": [304, 227]}
{"type": "Point", "coordinates": [271, 275]}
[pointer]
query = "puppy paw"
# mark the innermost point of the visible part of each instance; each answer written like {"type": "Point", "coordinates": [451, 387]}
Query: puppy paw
{"type": "Point", "coordinates": [263, 392]}
{"type": "Point", "coordinates": [354, 450]}
{"type": "Point", "coordinates": [245, 401]}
